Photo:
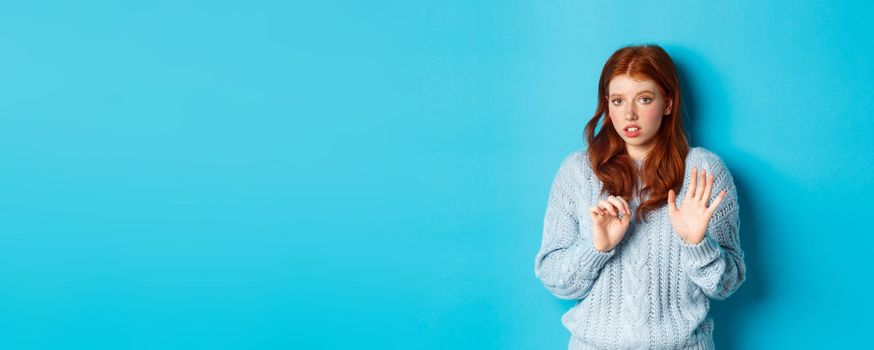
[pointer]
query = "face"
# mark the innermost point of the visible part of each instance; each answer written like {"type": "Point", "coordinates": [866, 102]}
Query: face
{"type": "Point", "coordinates": [636, 103]}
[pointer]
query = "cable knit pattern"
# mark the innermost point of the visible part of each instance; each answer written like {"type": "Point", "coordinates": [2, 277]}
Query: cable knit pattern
{"type": "Point", "coordinates": [653, 290]}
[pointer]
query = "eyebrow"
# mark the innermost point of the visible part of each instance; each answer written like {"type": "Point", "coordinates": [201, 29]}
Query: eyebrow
{"type": "Point", "coordinates": [642, 92]}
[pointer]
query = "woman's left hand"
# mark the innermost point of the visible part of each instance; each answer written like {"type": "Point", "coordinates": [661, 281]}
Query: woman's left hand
{"type": "Point", "coordinates": [691, 220]}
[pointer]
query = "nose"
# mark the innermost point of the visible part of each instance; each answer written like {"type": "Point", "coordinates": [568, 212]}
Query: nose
{"type": "Point", "coordinates": [630, 113]}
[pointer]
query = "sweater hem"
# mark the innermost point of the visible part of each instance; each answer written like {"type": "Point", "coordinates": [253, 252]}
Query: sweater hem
{"type": "Point", "coordinates": [576, 343]}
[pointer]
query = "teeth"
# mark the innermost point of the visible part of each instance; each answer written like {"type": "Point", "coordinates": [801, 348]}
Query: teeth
{"type": "Point", "coordinates": [632, 129]}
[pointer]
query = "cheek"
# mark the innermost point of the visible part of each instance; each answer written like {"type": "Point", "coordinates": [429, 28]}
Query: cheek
{"type": "Point", "coordinates": [652, 115]}
{"type": "Point", "coordinates": [654, 121]}
{"type": "Point", "coordinates": [614, 113]}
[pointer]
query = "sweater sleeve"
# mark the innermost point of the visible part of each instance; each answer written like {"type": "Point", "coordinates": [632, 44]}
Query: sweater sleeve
{"type": "Point", "coordinates": [567, 263]}
{"type": "Point", "coordinates": [716, 264]}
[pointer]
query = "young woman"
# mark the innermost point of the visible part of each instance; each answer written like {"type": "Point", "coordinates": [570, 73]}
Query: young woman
{"type": "Point", "coordinates": [640, 228]}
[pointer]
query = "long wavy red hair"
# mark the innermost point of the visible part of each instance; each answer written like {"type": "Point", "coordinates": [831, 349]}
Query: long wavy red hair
{"type": "Point", "coordinates": [663, 168]}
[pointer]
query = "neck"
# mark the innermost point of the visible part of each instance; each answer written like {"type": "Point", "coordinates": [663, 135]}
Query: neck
{"type": "Point", "coordinates": [637, 152]}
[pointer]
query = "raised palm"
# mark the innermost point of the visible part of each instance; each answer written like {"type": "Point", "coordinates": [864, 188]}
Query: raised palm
{"type": "Point", "coordinates": [690, 221]}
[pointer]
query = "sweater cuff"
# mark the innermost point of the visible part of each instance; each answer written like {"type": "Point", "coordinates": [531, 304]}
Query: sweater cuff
{"type": "Point", "coordinates": [592, 260]}
{"type": "Point", "coordinates": [702, 253]}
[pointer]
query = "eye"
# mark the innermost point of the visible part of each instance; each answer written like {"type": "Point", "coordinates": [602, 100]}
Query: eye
{"type": "Point", "coordinates": [645, 99]}
{"type": "Point", "coordinates": [616, 101]}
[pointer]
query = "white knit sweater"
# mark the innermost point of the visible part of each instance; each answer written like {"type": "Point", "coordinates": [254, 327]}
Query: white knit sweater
{"type": "Point", "coordinates": [651, 290]}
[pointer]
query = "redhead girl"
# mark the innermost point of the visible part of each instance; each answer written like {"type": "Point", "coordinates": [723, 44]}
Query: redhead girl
{"type": "Point", "coordinates": [640, 229]}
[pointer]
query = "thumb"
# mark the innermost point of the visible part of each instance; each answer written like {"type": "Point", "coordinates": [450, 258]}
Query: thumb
{"type": "Point", "coordinates": [672, 202]}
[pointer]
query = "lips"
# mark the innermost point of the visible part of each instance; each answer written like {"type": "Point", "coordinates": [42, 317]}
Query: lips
{"type": "Point", "coordinates": [632, 134]}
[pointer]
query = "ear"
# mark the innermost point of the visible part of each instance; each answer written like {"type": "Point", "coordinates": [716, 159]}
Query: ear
{"type": "Point", "coordinates": [668, 107]}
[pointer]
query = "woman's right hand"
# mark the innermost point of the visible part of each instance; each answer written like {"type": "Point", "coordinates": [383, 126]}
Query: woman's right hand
{"type": "Point", "coordinates": [607, 228]}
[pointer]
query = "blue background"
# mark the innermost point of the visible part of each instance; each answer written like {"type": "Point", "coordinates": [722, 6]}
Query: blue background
{"type": "Point", "coordinates": [268, 175]}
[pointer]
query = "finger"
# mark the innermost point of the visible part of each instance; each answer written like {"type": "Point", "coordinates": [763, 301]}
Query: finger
{"type": "Point", "coordinates": [617, 202]}
{"type": "Point", "coordinates": [607, 206]}
{"type": "Point", "coordinates": [627, 207]}
{"type": "Point", "coordinates": [595, 211]}
{"type": "Point", "coordinates": [716, 202]}
{"type": "Point", "coordinates": [709, 188]}
{"type": "Point", "coordinates": [672, 202]}
{"type": "Point", "coordinates": [693, 181]}
{"type": "Point", "coordinates": [617, 205]}
{"type": "Point", "coordinates": [699, 191]}
{"type": "Point", "coordinates": [627, 218]}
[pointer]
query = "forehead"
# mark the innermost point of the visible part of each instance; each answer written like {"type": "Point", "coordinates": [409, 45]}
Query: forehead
{"type": "Point", "coordinates": [626, 85]}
